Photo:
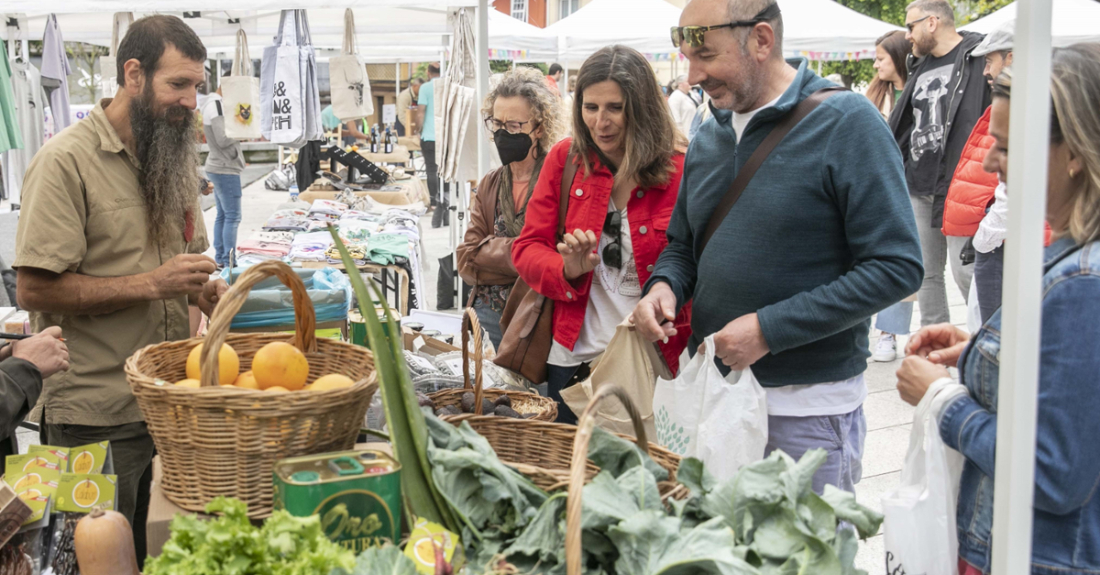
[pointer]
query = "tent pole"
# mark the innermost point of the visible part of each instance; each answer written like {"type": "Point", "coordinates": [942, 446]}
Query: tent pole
{"type": "Point", "coordinates": [1014, 483]}
{"type": "Point", "coordinates": [482, 76]}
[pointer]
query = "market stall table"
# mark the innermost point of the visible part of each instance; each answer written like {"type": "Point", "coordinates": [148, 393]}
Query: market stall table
{"type": "Point", "coordinates": [412, 190]}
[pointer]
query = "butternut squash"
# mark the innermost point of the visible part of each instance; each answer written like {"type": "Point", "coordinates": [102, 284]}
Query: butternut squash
{"type": "Point", "coordinates": [104, 544]}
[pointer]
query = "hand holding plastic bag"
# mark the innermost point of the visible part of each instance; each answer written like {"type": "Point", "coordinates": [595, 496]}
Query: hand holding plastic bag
{"type": "Point", "coordinates": [721, 420]}
{"type": "Point", "coordinates": [919, 528]}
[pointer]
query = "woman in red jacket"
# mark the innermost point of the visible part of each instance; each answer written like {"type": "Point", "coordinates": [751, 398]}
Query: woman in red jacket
{"type": "Point", "coordinates": [630, 158]}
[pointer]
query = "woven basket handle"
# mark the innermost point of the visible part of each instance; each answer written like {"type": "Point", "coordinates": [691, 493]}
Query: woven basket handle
{"type": "Point", "coordinates": [305, 319]}
{"type": "Point", "coordinates": [579, 463]}
{"type": "Point", "coordinates": [470, 324]}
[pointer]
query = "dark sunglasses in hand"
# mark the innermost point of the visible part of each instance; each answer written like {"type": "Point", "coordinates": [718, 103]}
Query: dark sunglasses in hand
{"type": "Point", "coordinates": [612, 254]}
{"type": "Point", "coordinates": [694, 35]}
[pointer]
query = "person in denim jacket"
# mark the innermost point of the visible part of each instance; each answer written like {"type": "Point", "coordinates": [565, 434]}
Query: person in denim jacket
{"type": "Point", "coordinates": [1066, 530]}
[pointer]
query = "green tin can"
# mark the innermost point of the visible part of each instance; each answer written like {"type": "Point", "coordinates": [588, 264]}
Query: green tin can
{"type": "Point", "coordinates": [357, 495]}
{"type": "Point", "coordinates": [357, 327]}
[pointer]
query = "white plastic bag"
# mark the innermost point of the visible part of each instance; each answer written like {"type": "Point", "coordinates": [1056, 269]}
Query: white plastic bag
{"type": "Point", "coordinates": [973, 310]}
{"type": "Point", "coordinates": [351, 95]}
{"type": "Point", "coordinates": [241, 95]}
{"type": "Point", "coordinates": [919, 526]}
{"type": "Point", "coordinates": [721, 420]}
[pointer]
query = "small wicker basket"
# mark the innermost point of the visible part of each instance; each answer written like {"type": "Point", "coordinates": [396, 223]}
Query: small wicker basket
{"type": "Point", "coordinates": [225, 440]}
{"type": "Point", "coordinates": [543, 451]}
{"type": "Point", "coordinates": [543, 408]}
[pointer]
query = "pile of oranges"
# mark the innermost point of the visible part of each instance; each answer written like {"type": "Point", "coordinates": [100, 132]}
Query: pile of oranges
{"type": "Point", "coordinates": [278, 367]}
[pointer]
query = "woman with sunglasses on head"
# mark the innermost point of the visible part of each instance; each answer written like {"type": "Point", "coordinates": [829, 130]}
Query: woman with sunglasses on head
{"type": "Point", "coordinates": [628, 157]}
{"type": "Point", "coordinates": [524, 119]}
{"type": "Point", "coordinates": [1066, 509]}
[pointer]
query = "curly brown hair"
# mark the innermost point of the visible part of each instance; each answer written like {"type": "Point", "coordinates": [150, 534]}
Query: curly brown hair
{"type": "Point", "coordinates": [546, 108]}
{"type": "Point", "coordinates": [651, 135]}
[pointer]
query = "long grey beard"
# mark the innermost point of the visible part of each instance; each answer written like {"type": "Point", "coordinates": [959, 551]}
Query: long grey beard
{"type": "Point", "coordinates": [168, 154]}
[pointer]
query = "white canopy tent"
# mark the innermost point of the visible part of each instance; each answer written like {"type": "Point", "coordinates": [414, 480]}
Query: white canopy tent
{"type": "Point", "coordinates": [387, 31]}
{"type": "Point", "coordinates": [641, 24]}
{"type": "Point", "coordinates": [816, 29]}
{"type": "Point", "coordinates": [1072, 21]}
{"type": "Point", "coordinates": [826, 30]}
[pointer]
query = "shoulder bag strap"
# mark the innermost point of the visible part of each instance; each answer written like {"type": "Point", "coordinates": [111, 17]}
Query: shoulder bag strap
{"type": "Point", "coordinates": [761, 153]}
{"type": "Point", "coordinates": [567, 176]}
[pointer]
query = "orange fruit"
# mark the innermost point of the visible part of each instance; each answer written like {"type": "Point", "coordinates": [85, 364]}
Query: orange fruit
{"type": "Point", "coordinates": [189, 383]}
{"type": "Point", "coordinates": [247, 381]}
{"type": "Point", "coordinates": [277, 389]}
{"type": "Point", "coordinates": [280, 364]}
{"type": "Point", "coordinates": [229, 365]}
{"type": "Point", "coordinates": [331, 381]}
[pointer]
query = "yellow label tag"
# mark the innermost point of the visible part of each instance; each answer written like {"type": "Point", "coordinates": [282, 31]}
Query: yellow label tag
{"type": "Point", "coordinates": [424, 539]}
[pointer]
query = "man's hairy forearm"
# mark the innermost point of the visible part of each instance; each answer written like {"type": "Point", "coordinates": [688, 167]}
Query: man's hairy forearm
{"type": "Point", "coordinates": [71, 293]}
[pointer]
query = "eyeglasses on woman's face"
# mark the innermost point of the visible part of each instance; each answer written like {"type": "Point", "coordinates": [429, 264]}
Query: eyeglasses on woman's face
{"type": "Point", "coordinates": [513, 127]}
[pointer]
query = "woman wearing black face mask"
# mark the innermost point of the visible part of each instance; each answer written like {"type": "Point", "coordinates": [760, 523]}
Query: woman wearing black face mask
{"type": "Point", "coordinates": [524, 119]}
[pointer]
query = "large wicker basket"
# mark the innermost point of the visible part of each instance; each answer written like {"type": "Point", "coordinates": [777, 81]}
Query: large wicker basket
{"type": "Point", "coordinates": [225, 440]}
{"type": "Point", "coordinates": [579, 474]}
{"type": "Point", "coordinates": [525, 403]}
{"type": "Point", "coordinates": [543, 451]}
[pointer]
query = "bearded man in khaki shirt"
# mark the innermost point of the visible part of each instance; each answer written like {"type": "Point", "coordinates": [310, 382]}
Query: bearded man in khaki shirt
{"type": "Point", "coordinates": [109, 246]}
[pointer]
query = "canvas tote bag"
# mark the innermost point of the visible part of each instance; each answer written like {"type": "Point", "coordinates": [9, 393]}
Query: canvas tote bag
{"type": "Point", "coordinates": [632, 363]}
{"type": "Point", "coordinates": [290, 100]}
{"type": "Point", "coordinates": [351, 96]}
{"type": "Point", "coordinates": [108, 65]}
{"type": "Point", "coordinates": [241, 95]}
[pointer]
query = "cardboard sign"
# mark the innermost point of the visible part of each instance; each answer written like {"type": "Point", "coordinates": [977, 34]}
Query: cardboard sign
{"type": "Point", "coordinates": [389, 113]}
{"type": "Point", "coordinates": [94, 458]}
{"type": "Point", "coordinates": [81, 492]}
{"type": "Point", "coordinates": [34, 477]}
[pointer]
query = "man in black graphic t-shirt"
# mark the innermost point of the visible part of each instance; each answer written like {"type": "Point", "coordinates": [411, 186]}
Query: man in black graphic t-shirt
{"type": "Point", "coordinates": [944, 98]}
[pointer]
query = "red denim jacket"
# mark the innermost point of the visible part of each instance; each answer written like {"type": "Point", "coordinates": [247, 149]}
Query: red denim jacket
{"type": "Point", "coordinates": [535, 251]}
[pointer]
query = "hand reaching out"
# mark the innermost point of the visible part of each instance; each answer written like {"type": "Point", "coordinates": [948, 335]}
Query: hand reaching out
{"type": "Point", "coordinates": [941, 343]}
{"type": "Point", "coordinates": [578, 251]}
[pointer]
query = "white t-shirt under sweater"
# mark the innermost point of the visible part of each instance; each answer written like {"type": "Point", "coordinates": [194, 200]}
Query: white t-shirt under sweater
{"type": "Point", "coordinates": [614, 294]}
{"type": "Point", "coordinates": [816, 400]}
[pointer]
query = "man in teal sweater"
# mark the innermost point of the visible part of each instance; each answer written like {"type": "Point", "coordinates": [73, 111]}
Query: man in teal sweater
{"type": "Point", "coordinates": [822, 238]}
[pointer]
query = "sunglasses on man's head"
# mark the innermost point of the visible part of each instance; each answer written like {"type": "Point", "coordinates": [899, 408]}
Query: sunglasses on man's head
{"type": "Point", "coordinates": [694, 35]}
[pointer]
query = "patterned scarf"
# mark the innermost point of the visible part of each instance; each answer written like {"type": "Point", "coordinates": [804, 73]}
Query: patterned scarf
{"type": "Point", "coordinates": [513, 221]}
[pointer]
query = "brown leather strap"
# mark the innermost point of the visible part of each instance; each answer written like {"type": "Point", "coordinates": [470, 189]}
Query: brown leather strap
{"type": "Point", "coordinates": [761, 153]}
{"type": "Point", "coordinates": [568, 174]}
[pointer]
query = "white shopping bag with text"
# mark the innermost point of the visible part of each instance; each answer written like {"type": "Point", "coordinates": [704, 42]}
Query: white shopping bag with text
{"type": "Point", "coordinates": [919, 526]}
{"type": "Point", "coordinates": [722, 421]}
